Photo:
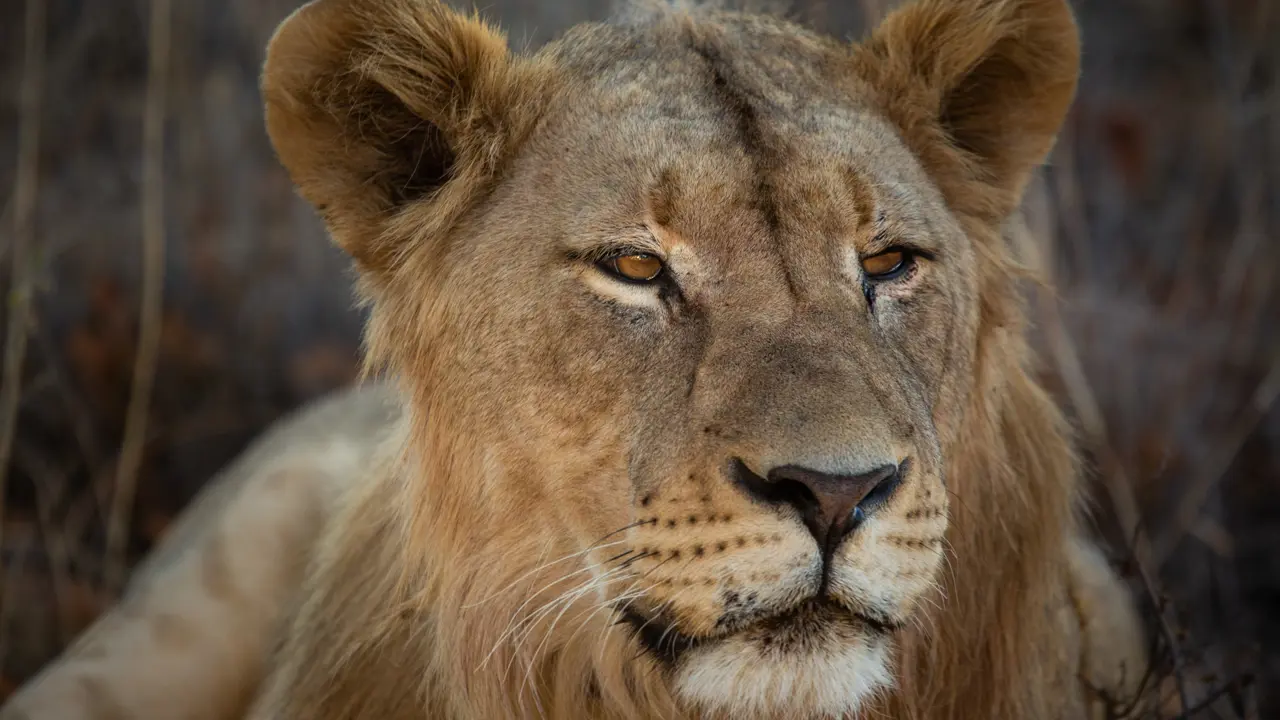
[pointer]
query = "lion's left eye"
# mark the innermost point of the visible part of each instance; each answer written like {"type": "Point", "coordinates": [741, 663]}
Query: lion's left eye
{"type": "Point", "coordinates": [887, 265]}
{"type": "Point", "coordinates": [637, 267]}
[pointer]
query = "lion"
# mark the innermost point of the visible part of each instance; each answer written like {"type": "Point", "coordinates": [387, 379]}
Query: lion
{"type": "Point", "coordinates": [706, 390]}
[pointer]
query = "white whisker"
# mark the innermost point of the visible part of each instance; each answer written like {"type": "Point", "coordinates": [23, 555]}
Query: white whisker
{"type": "Point", "coordinates": [538, 569]}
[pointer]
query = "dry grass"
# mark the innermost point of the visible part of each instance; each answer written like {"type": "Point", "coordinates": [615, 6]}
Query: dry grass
{"type": "Point", "coordinates": [144, 181]}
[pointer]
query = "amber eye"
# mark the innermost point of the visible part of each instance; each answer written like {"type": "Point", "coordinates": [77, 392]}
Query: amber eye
{"type": "Point", "coordinates": [887, 265]}
{"type": "Point", "coordinates": [639, 267]}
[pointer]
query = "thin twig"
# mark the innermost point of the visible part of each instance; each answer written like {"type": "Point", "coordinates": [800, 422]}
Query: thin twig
{"type": "Point", "coordinates": [12, 576]}
{"type": "Point", "coordinates": [153, 238]}
{"type": "Point", "coordinates": [1189, 507]}
{"type": "Point", "coordinates": [1215, 537]}
{"type": "Point", "coordinates": [1213, 696]}
{"type": "Point", "coordinates": [27, 180]}
{"type": "Point", "coordinates": [50, 486]}
{"type": "Point", "coordinates": [76, 410]}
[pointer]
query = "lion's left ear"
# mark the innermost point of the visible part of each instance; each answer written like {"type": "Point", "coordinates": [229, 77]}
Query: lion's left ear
{"type": "Point", "coordinates": [979, 89]}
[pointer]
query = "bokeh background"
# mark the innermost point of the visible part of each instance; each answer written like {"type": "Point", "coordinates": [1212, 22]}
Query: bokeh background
{"type": "Point", "coordinates": [155, 257]}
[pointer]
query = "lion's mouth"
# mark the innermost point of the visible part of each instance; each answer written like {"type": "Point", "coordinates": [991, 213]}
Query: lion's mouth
{"type": "Point", "coordinates": [662, 639]}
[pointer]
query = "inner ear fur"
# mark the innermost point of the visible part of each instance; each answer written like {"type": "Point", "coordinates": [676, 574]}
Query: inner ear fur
{"type": "Point", "coordinates": [979, 90]}
{"type": "Point", "coordinates": [375, 105]}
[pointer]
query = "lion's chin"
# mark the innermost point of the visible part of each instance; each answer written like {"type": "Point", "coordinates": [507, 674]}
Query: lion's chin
{"type": "Point", "coordinates": [815, 661]}
{"type": "Point", "coordinates": [742, 677]}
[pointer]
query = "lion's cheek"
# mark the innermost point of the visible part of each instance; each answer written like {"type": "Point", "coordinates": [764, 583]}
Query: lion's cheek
{"type": "Point", "coordinates": [558, 476]}
{"type": "Point", "coordinates": [891, 568]}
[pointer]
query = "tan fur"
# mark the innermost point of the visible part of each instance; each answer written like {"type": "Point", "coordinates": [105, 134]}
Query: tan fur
{"type": "Point", "coordinates": [567, 443]}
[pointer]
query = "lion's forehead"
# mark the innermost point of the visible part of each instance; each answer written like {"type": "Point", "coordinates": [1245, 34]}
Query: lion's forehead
{"type": "Point", "coordinates": [697, 80]}
{"type": "Point", "coordinates": [730, 109]}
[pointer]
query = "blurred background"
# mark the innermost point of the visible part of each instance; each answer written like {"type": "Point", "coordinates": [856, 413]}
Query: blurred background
{"type": "Point", "coordinates": [166, 296]}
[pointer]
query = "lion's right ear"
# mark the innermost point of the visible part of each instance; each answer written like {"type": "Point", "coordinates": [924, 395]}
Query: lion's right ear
{"type": "Point", "coordinates": [979, 90]}
{"type": "Point", "coordinates": [376, 105]}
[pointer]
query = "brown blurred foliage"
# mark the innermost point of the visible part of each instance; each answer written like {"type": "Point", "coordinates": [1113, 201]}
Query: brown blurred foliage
{"type": "Point", "coordinates": [1160, 211]}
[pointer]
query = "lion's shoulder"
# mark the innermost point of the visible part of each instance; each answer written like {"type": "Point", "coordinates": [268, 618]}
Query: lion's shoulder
{"type": "Point", "coordinates": [198, 618]}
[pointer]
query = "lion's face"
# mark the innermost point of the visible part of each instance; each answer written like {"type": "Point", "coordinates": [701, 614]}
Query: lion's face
{"type": "Point", "coordinates": [721, 338]}
{"type": "Point", "coordinates": [689, 301]}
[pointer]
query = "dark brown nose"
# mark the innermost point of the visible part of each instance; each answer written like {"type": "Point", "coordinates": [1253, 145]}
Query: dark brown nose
{"type": "Point", "coordinates": [830, 505]}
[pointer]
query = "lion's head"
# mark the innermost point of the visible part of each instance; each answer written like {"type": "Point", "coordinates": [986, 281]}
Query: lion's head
{"type": "Point", "coordinates": [702, 320]}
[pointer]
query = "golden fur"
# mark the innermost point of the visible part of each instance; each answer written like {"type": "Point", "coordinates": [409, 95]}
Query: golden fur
{"type": "Point", "coordinates": [582, 462]}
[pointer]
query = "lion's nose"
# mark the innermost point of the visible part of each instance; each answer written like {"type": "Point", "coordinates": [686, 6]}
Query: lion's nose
{"type": "Point", "coordinates": [831, 505]}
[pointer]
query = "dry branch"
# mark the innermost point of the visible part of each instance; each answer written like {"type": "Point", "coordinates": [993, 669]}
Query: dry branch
{"type": "Point", "coordinates": [153, 239]}
{"type": "Point", "coordinates": [27, 179]}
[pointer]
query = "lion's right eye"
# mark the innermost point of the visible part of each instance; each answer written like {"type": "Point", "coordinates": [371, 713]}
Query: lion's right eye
{"type": "Point", "coordinates": [635, 268]}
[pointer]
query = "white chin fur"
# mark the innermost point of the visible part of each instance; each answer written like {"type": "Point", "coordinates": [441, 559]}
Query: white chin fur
{"type": "Point", "coordinates": [733, 679]}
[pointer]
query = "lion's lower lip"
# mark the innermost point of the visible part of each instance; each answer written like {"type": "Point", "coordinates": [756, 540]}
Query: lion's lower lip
{"type": "Point", "coordinates": [664, 641]}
